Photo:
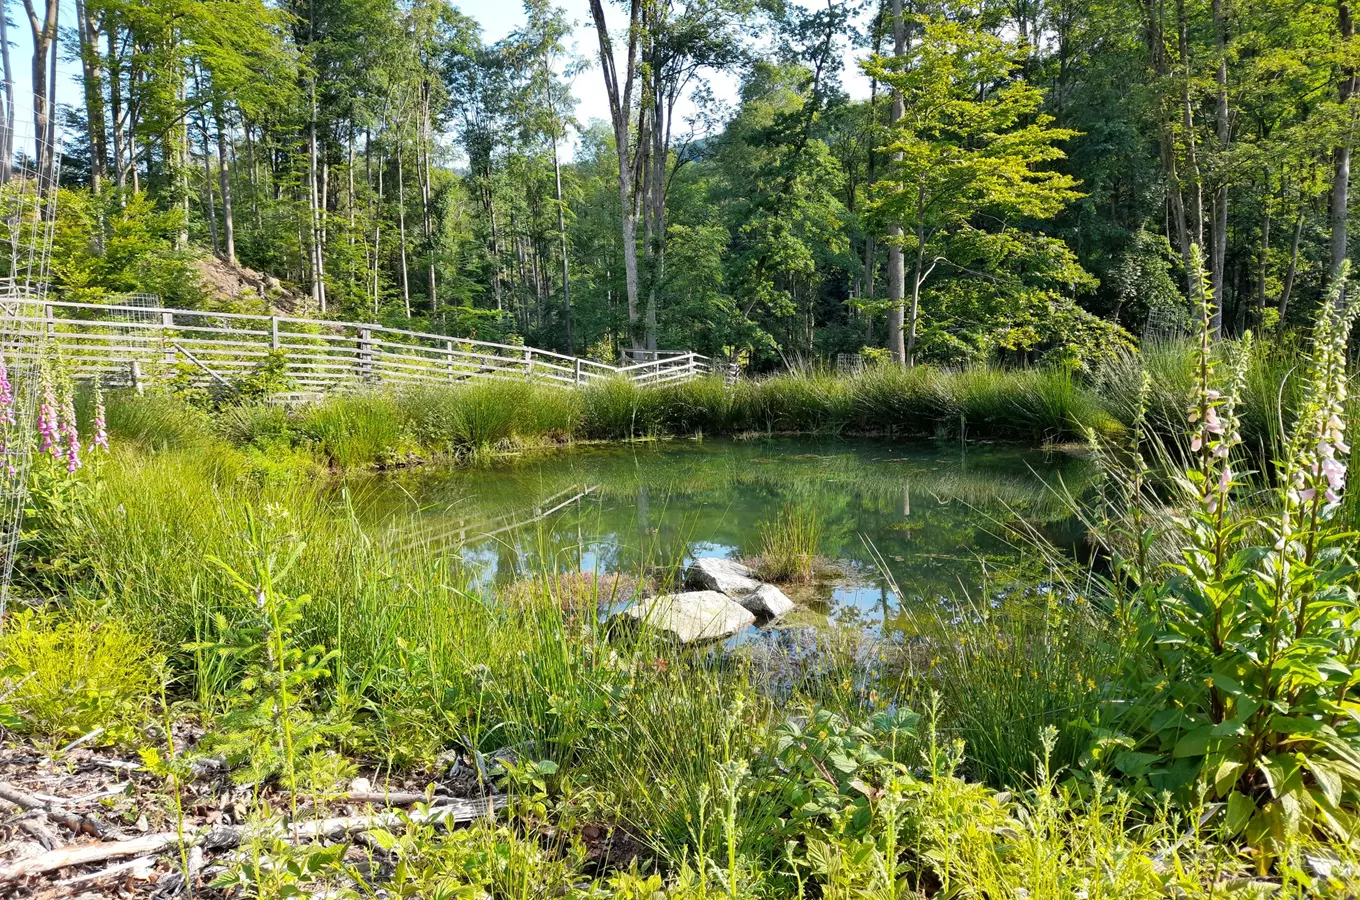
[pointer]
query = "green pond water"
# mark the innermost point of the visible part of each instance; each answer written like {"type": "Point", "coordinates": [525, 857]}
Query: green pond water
{"type": "Point", "coordinates": [905, 524]}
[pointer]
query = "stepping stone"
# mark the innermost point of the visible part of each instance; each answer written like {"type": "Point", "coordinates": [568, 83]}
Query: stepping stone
{"type": "Point", "coordinates": [766, 602]}
{"type": "Point", "coordinates": [723, 575]}
{"type": "Point", "coordinates": [692, 616]}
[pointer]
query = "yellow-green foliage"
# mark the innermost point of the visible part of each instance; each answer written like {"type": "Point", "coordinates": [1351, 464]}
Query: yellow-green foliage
{"type": "Point", "coordinates": [70, 675]}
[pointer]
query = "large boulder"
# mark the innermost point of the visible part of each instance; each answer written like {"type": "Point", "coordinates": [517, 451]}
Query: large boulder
{"type": "Point", "coordinates": [766, 602]}
{"type": "Point", "coordinates": [692, 616]}
{"type": "Point", "coordinates": [726, 576]}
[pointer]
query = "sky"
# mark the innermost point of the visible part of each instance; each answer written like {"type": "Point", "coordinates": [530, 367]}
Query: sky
{"type": "Point", "coordinates": [498, 19]}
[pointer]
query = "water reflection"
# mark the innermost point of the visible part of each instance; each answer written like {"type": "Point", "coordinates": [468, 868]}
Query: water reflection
{"type": "Point", "coordinates": [944, 520]}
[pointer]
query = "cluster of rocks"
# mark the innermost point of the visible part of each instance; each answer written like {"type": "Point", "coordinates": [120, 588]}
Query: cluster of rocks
{"type": "Point", "coordinates": [728, 599]}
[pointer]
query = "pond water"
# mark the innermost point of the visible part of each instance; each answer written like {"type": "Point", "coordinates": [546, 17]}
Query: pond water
{"type": "Point", "coordinates": [903, 523]}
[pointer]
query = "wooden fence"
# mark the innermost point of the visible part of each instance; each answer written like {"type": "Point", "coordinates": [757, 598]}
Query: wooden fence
{"type": "Point", "coordinates": [133, 344]}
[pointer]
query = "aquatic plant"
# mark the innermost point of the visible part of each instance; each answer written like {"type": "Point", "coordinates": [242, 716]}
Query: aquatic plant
{"type": "Point", "coordinates": [789, 545]}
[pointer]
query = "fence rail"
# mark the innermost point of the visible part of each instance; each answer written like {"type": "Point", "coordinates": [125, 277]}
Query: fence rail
{"type": "Point", "coordinates": [139, 343]}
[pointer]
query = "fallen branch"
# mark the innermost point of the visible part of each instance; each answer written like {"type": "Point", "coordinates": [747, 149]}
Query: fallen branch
{"type": "Point", "coordinates": [136, 868]}
{"type": "Point", "coordinates": [74, 821]}
{"type": "Point", "coordinates": [225, 837]}
{"type": "Point", "coordinates": [388, 798]}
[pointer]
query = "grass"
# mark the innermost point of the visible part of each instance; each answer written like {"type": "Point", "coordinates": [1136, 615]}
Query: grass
{"type": "Point", "coordinates": [789, 545]}
{"type": "Point", "coordinates": [379, 428]}
{"type": "Point", "coordinates": [687, 750]}
{"type": "Point", "coordinates": [739, 779]}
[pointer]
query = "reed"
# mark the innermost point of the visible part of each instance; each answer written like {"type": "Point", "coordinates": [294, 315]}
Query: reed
{"type": "Point", "coordinates": [789, 545]}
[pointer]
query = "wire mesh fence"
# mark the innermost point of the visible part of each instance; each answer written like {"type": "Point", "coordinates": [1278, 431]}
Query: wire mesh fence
{"type": "Point", "coordinates": [28, 198]}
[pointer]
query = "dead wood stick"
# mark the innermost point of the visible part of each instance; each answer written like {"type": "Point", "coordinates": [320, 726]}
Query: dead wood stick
{"type": "Point", "coordinates": [74, 821]}
{"type": "Point", "coordinates": [388, 798]}
{"type": "Point", "coordinates": [453, 812]}
{"type": "Point", "coordinates": [132, 865]}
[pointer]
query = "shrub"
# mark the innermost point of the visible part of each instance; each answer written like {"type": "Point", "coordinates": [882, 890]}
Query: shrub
{"type": "Point", "coordinates": [67, 676]}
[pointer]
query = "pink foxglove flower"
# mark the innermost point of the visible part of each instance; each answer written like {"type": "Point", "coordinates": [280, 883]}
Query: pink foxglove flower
{"type": "Point", "coordinates": [101, 434]}
{"type": "Point", "coordinates": [49, 430]}
{"type": "Point", "coordinates": [69, 434]}
{"type": "Point", "coordinates": [7, 416]}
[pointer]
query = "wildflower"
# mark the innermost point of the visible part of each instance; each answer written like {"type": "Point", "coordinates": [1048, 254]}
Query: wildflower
{"type": "Point", "coordinates": [101, 435]}
{"type": "Point", "coordinates": [7, 416]}
{"type": "Point", "coordinates": [69, 433]}
{"type": "Point", "coordinates": [48, 427]}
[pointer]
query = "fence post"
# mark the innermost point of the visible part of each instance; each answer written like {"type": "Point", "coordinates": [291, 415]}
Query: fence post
{"type": "Point", "coordinates": [528, 364]}
{"type": "Point", "coordinates": [273, 332]}
{"type": "Point", "coordinates": [365, 354]}
{"type": "Point", "coordinates": [168, 325]}
{"type": "Point", "coordinates": [578, 373]}
{"type": "Point", "coordinates": [135, 373]}
{"type": "Point", "coordinates": [448, 359]}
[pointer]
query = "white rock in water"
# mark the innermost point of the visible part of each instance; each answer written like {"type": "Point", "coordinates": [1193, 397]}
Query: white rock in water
{"type": "Point", "coordinates": [767, 602]}
{"type": "Point", "coordinates": [725, 575]}
{"type": "Point", "coordinates": [693, 616]}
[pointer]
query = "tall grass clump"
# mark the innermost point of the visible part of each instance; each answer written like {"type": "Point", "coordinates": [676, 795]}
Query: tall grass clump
{"type": "Point", "coordinates": [700, 406]}
{"type": "Point", "coordinates": [1006, 669]}
{"type": "Point", "coordinates": [354, 430]}
{"type": "Point", "coordinates": [486, 415]}
{"type": "Point", "coordinates": [789, 545]}
{"type": "Point", "coordinates": [1026, 404]}
{"type": "Point", "coordinates": [156, 421]}
{"type": "Point", "coordinates": [618, 409]}
{"type": "Point", "coordinates": [913, 402]}
{"type": "Point", "coordinates": [806, 401]}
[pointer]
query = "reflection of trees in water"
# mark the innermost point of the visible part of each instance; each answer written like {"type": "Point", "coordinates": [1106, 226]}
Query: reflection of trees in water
{"type": "Point", "coordinates": [938, 519]}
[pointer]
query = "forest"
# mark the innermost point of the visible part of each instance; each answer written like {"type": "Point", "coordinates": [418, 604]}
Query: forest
{"type": "Point", "coordinates": [1025, 181]}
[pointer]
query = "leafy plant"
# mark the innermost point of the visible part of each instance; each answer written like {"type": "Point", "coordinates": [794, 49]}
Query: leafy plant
{"type": "Point", "coordinates": [1250, 635]}
{"type": "Point", "coordinates": [67, 675]}
{"type": "Point", "coordinates": [268, 727]}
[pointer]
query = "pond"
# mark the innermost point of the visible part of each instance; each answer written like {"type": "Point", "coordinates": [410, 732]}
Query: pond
{"type": "Point", "coordinates": [901, 524]}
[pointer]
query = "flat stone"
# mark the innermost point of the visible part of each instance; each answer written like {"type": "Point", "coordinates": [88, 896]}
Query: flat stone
{"type": "Point", "coordinates": [766, 602]}
{"type": "Point", "coordinates": [726, 576]}
{"type": "Point", "coordinates": [692, 616]}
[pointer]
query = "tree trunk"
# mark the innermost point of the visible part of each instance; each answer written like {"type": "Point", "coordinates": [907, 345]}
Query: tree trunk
{"type": "Point", "coordinates": [900, 347]}
{"type": "Point", "coordinates": [1293, 269]}
{"type": "Point", "coordinates": [87, 27]}
{"type": "Point", "coordinates": [44, 107]}
{"type": "Point", "coordinates": [7, 122]}
{"type": "Point", "coordinates": [115, 66]}
{"type": "Point", "coordinates": [620, 108]}
{"type": "Point", "coordinates": [1223, 132]}
{"type": "Point", "coordinates": [401, 229]}
{"type": "Point", "coordinates": [1264, 267]}
{"type": "Point", "coordinates": [209, 206]}
{"type": "Point", "coordinates": [426, 150]}
{"type": "Point", "coordinates": [224, 178]}
{"type": "Point", "coordinates": [377, 236]}
{"type": "Point", "coordinates": [1191, 149]}
{"type": "Point", "coordinates": [1341, 155]}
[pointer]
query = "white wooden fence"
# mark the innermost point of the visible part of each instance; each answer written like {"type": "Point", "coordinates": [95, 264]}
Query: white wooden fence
{"type": "Point", "coordinates": [139, 343]}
